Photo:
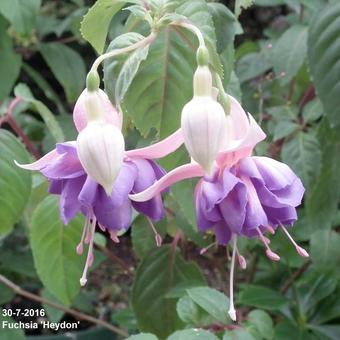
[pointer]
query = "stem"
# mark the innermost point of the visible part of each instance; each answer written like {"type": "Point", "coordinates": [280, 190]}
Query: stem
{"type": "Point", "coordinates": [193, 29]}
{"type": "Point", "coordinates": [9, 119]}
{"type": "Point", "coordinates": [113, 257]}
{"type": "Point", "coordinates": [78, 315]}
{"type": "Point", "coordinates": [224, 99]}
{"type": "Point", "coordinates": [146, 41]}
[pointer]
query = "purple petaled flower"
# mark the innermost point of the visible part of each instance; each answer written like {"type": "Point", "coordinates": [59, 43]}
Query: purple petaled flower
{"type": "Point", "coordinates": [79, 193]}
{"type": "Point", "coordinates": [244, 196]}
{"type": "Point", "coordinates": [258, 194]}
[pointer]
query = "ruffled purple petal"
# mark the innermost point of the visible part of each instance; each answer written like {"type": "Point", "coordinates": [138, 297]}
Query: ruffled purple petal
{"type": "Point", "coordinates": [233, 207]}
{"type": "Point", "coordinates": [55, 186]}
{"type": "Point", "coordinates": [124, 183]}
{"type": "Point", "coordinates": [222, 232]}
{"type": "Point", "coordinates": [276, 216]}
{"type": "Point", "coordinates": [69, 204]}
{"type": "Point", "coordinates": [110, 215]}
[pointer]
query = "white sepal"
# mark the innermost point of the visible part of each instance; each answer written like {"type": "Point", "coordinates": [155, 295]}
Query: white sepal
{"type": "Point", "coordinates": [204, 128]}
{"type": "Point", "coordinates": [101, 148]}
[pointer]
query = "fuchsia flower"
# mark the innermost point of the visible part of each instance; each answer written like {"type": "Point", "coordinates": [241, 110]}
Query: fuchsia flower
{"type": "Point", "coordinates": [81, 193]}
{"type": "Point", "coordinates": [244, 195]}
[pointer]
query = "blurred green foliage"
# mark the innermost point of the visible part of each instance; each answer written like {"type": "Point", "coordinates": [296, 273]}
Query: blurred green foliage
{"type": "Point", "coordinates": [280, 58]}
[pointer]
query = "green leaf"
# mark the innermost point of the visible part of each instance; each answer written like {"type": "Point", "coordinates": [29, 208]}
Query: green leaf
{"type": "Point", "coordinates": [143, 238]}
{"type": "Point", "coordinates": [261, 297]}
{"type": "Point", "coordinates": [22, 91]}
{"type": "Point", "coordinates": [67, 66]}
{"type": "Point", "coordinates": [48, 90]}
{"type": "Point", "coordinates": [10, 61]}
{"type": "Point", "coordinates": [22, 14]}
{"type": "Point", "coordinates": [10, 333]}
{"type": "Point", "coordinates": [95, 24]}
{"type": "Point", "coordinates": [167, 74]}
{"type": "Point", "coordinates": [15, 183]}
{"type": "Point", "coordinates": [289, 52]}
{"type": "Point", "coordinates": [242, 4]}
{"type": "Point", "coordinates": [302, 154]}
{"type": "Point", "coordinates": [322, 202]}
{"type": "Point", "coordinates": [6, 294]}
{"type": "Point", "coordinates": [329, 331]}
{"type": "Point", "coordinates": [142, 336]}
{"type": "Point", "coordinates": [312, 111]}
{"type": "Point", "coordinates": [188, 310]}
{"type": "Point", "coordinates": [54, 315]}
{"type": "Point", "coordinates": [325, 251]}
{"type": "Point", "coordinates": [251, 66]}
{"type": "Point", "coordinates": [119, 72]}
{"type": "Point", "coordinates": [158, 273]}
{"type": "Point", "coordinates": [224, 22]}
{"type": "Point", "coordinates": [239, 334]}
{"type": "Point", "coordinates": [263, 323]}
{"type": "Point", "coordinates": [284, 128]}
{"type": "Point", "coordinates": [323, 55]}
{"type": "Point", "coordinates": [54, 246]}
{"type": "Point", "coordinates": [192, 334]}
{"type": "Point", "coordinates": [212, 301]}
{"type": "Point", "coordinates": [128, 72]}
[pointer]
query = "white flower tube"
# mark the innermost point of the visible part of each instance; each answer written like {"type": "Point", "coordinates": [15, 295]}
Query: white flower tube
{"type": "Point", "coordinates": [101, 148]}
{"type": "Point", "coordinates": [100, 145]}
{"type": "Point", "coordinates": [203, 121]}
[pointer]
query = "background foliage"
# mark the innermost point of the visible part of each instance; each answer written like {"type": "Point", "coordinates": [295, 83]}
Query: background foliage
{"type": "Point", "coordinates": [281, 59]}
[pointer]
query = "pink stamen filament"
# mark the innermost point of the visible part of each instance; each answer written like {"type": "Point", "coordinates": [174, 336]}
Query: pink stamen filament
{"type": "Point", "coordinates": [271, 229]}
{"type": "Point", "coordinates": [158, 237]}
{"type": "Point", "coordinates": [89, 259]}
{"type": "Point", "coordinates": [114, 237]}
{"type": "Point", "coordinates": [241, 260]}
{"type": "Point", "coordinates": [270, 254]}
{"type": "Point", "coordinates": [80, 247]}
{"type": "Point", "coordinates": [231, 311]}
{"type": "Point", "coordinates": [204, 250]}
{"type": "Point", "coordinates": [301, 251]}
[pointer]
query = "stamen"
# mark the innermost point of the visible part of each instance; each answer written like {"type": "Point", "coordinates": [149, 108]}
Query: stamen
{"type": "Point", "coordinates": [114, 237]}
{"type": "Point", "coordinates": [271, 229]}
{"type": "Point", "coordinates": [88, 233]}
{"type": "Point", "coordinates": [102, 228]}
{"type": "Point", "coordinates": [231, 311]}
{"type": "Point", "coordinates": [270, 254]}
{"type": "Point", "coordinates": [89, 259]}
{"type": "Point", "coordinates": [158, 237]}
{"type": "Point", "coordinates": [301, 251]}
{"type": "Point", "coordinates": [241, 260]}
{"type": "Point", "coordinates": [80, 247]}
{"type": "Point", "coordinates": [204, 250]}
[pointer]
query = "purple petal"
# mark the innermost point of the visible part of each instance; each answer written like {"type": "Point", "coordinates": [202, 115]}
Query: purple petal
{"type": "Point", "coordinates": [110, 215]}
{"type": "Point", "coordinates": [124, 183]}
{"type": "Point", "coordinates": [153, 208]}
{"type": "Point", "coordinates": [88, 194]}
{"type": "Point", "coordinates": [286, 215]}
{"type": "Point", "coordinates": [255, 215]}
{"type": "Point", "coordinates": [223, 233]}
{"type": "Point", "coordinates": [276, 175]}
{"type": "Point", "coordinates": [69, 204]}
{"type": "Point", "coordinates": [200, 208]}
{"type": "Point", "coordinates": [55, 186]}
{"type": "Point", "coordinates": [233, 207]}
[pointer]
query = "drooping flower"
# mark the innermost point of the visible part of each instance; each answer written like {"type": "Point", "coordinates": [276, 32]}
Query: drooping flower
{"type": "Point", "coordinates": [257, 195]}
{"type": "Point", "coordinates": [244, 195]}
{"type": "Point", "coordinates": [100, 143]}
{"type": "Point", "coordinates": [203, 121]}
{"type": "Point", "coordinates": [110, 208]}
